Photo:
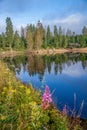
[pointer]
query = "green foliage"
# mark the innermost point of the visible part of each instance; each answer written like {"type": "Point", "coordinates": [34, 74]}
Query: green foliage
{"type": "Point", "coordinates": [56, 45]}
{"type": "Point", "coordinates": [37, 37]}
{"type": "Point", "coordinates": [23, 39]}
{"type": "Point", "coordinates": [30, 36]}
{"type": "Point", "coordinates": [17, 41]}
{"type": "Point", "coordinates": [60, 30]}
{"type": "Point", "coordinates": [65, 41]}
{"type": "Point", "coordinates": [44, 38]}
{"type": "Point", "coordinates": [44, 45]}
{"type": "Point", "coordinates": [3, 41]}
{"type": "Point", "coordinates": [49, 36]}
{"type": "Point", "coordinates": [20, 107]}
{"type": "Point", "coordinates": [9, 32]}
{"type": "Point", "coordinates": [84, 30]}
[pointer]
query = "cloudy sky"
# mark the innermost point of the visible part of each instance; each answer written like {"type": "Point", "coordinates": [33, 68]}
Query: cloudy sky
{"type": "Point", "coordinates": [66, 13]}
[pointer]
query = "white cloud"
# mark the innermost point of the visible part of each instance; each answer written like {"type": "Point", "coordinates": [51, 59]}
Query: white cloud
{"type": "Point", "coordinates": [74, 18]}
{"type": "Point", "coordinates": [74, 21]}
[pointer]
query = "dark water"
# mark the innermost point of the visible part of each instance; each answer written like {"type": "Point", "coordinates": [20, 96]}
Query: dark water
{"type": "Point", "coordinates": [66, 75]}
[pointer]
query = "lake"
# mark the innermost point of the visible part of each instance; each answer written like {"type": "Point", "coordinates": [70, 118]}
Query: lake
{"type": "Point", "coordinates": [65, 74]}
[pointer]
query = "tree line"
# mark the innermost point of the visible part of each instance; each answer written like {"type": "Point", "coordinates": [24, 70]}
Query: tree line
{"type": "Point", "coordinates": [37, 37]}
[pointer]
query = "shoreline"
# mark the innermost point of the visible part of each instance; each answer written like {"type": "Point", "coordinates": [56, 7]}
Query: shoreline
{"type": "Point", "coordinates": [53, 51]}
{"type": "Point", "coordinates": [58, 51]}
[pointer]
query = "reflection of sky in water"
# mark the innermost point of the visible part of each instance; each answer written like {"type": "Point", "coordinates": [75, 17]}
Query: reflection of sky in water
{"type": "Point", "coordinates": [73, 79]}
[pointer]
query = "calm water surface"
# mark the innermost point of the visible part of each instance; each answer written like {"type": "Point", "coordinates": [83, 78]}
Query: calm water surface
{"type": "Point", "coordinates": [66, 75]}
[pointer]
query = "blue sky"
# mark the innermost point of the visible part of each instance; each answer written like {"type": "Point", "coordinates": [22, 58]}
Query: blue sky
{"type": "Point", "coordinates": [67, 13]}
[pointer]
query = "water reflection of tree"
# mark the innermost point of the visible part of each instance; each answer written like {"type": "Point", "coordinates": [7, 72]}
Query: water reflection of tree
{"type": "Point", "coordinates": [39, 64]}
{"type": "Point", "coordinates": [15, 63]}
{"type": "Point", "coordinates": [84, 61]}
{"type": "Point", "coordinates": [36, 65]}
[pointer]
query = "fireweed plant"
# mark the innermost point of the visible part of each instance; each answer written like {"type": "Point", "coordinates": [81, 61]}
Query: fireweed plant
{"type": "Point", "coordinates": [46, 98]}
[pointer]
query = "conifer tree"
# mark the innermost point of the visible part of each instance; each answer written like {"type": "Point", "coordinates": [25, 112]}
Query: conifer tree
{"type": "Point", "coordinates": [23, 37]}
{"type": "Point", "coordinates": [30, 37]}
{"type": "Point", "coordinates": [3, 41]}
{"type": "Point", "coordinates": [17, 41]}
{"type": "Point", "coordinates": [84, 30]}
{"type": "Point", "coordinates": [9, 32]}
{"type": "Point", "coordinates": [49, 35]}
{"type": "Point", "coordinates": [39, 34]}
{"type": "Point", "coordinates": [55, 37]}
{"type": "Point", "coordinates": [44, 39]}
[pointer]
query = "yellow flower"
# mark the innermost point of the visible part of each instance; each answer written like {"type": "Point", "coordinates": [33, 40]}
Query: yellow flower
{"type": "Point", "coordinates": [3, 93]}
{"type": "Point", "coordinates": [3, 117]}
{"type": "Point", "coordinates": [27, 91]}
{"type": "Point", "coordinates": [4, 88]}
{"type": "Point", "coordinates": [33, 104]}
{"type": "Point", "coordinates": [21, 86]}
{"type": "Point", "coordinates": [7, 69]}
{"type": "Point", "coordinates": [18, 110]}
{"type": "Point", "coordinates": [22, 105]}
{"type": "Point", "coordinates": [10, 87]}
{"type": "Point", "coordinates": [12, 90]}
{"type": "Point", "coordinates": [9, 82]}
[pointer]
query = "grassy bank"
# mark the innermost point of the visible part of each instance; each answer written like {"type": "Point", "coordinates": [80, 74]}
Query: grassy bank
{"type": "Point", "coordinates": [20, 107]}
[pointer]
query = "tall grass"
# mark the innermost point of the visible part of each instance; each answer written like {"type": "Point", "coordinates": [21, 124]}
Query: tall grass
{"type": "Point", "coordinates": [20, 107]}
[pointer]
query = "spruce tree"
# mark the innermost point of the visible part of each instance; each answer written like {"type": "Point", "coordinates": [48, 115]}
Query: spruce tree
{"type": "Point", "coordinates": [17, 41]}
{"type": "Point", "coordinates": [55, 37]}
{"type": "Point", "coordinates": [30, 36]}
{"type": "Point", "coordinates": [23, 37]}
{"type": "Point", "coordinates": [9, 32]}
{"type": "Point", "coordinates": [39, 35]}
{"type": "Point", "coordinates": [48, 36]}
{"type": "Point", "coordinates": [3, 41]}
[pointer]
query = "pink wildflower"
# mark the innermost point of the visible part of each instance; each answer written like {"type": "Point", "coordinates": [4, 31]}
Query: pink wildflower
{"type": "Point", "coordinates": [64, 112]}
{"type": "Point", "coordinates": [46, 98]}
